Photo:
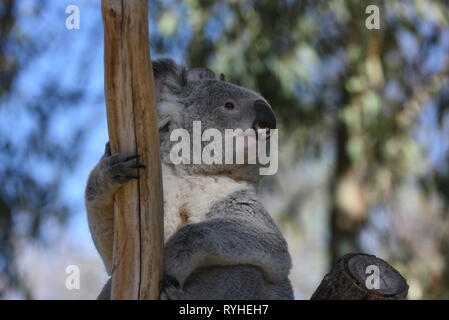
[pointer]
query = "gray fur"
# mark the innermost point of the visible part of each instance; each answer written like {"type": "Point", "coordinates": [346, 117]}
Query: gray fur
{"type": "Point", "coordinates": [233, 223]}
{"type": "Point", "coordinates": [232, 251]}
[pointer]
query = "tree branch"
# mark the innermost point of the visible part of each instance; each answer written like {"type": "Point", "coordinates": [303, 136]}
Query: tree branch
{"type": "Point", "coordinates": [349, 279]}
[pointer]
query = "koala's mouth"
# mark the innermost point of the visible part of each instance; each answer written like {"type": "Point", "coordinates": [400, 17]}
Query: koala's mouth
{"type": "Point", "coordinates": [262, 133]}
{"type": "Point", "coordinates": [259, 134]}
{"type": "Point", "coordinates": [265, 135]}
{"type": "Point", "coordinates": [253, 137]}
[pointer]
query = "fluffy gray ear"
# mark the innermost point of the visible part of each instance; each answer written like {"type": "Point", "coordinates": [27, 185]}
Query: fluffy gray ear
{"type": "Point", "coordinates": [169, 77]}
{"type": "Point", "coordinates": [169, 80]}
{"type": "Point", "coordinates": [199, 74]}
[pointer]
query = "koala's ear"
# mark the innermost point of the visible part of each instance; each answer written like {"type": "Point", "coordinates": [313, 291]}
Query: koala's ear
{"type": "Point", "coordinates": [199, 74]}
{"type": "Point", "coordinates": [169, 77]}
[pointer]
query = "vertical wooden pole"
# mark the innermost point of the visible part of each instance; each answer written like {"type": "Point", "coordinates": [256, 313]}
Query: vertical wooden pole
{"type": "Point", "coordinates": [132, 125]}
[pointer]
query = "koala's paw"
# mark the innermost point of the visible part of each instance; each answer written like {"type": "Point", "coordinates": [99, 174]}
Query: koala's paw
{"type": "Point", "coordinates": [119, 168]}
{"type": "Point", "coordinates": [170, 289]}
{"type": "Point", "coordinates": [110, 174]}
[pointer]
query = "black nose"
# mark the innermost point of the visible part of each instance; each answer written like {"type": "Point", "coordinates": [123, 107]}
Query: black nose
{"type": "Point", "coordinates": [265, 118]}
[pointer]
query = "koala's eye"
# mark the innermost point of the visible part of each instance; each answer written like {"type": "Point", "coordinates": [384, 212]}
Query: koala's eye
{"type": "Point", "coordinates": [229, 105]}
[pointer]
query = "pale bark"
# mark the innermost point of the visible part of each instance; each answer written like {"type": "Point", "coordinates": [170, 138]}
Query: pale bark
{"type": "Point", "coordinates": [132, 125]}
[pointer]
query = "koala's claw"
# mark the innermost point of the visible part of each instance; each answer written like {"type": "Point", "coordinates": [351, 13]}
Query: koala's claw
{"type": "Point", "coordinates": [121, 167]}
{"type": "Point", "coordinates": [107, 153]}
{"type": "Point", "coordinates": [135, 156]}
{"type": "Point", "coordinates": [107, 150]}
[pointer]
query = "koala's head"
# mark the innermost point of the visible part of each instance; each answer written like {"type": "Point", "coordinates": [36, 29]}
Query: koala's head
{"type": "Point", "coordinates": [185, 96]}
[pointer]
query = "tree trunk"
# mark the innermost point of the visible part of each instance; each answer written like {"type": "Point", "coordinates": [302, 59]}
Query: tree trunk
{"type": "Point", "coordinates": [132, 125]}
{"type": "Point", "coordinates": [358, 276]}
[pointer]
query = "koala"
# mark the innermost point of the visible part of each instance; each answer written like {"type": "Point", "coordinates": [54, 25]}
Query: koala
{"type": "Point", "coordinates": [220, 242]}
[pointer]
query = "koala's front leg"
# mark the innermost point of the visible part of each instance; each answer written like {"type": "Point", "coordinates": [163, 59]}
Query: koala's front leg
{"type": "Point", "coordinates": [226, 242]}
{"type": "Point", "coordinates": [110, 174]}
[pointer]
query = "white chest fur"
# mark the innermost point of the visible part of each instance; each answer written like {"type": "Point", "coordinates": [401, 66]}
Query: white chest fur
{"type": "Point", "coordinates": [187, 199]}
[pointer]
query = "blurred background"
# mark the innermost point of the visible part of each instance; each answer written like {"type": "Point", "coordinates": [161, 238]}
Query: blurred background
{"type": "Point", "coordinates": [364, 134]}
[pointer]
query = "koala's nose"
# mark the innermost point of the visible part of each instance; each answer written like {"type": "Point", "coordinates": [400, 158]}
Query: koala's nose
{"type": "Point", "coordinates": [265, 118]}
